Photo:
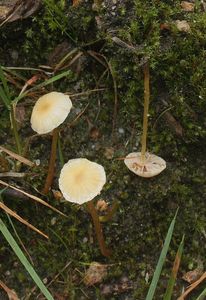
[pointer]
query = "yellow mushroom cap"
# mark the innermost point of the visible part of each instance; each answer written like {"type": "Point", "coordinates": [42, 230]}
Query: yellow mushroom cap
{"type": "Point", "coordinates": [81, 180]}
{"type": "Point", "coordinates": [152, 166]}
{"type": "Point", "coordinates": [50, 111]}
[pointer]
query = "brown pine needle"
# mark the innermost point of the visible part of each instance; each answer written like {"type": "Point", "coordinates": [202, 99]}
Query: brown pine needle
{"type": "Point", "coordinates": [13, 174]}
{"type": "Point", "coordinates": [33, 197]}
{"type": "Point", "coordinates": [11, 293]}
{"type": "Point", "coordinates": [17, 157]}
{"type": "Point", "coordinates": [192, 287]}
{"type": "Point", "coordinates": [20, 219]}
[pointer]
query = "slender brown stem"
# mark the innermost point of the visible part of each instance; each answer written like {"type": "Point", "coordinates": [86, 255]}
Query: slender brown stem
{"type": "Point", "coordinates": [98, 229]}
{"type": "Point", "coordinates": [50, 174]}
{"type": "Point", "coordinates": [146, 109]}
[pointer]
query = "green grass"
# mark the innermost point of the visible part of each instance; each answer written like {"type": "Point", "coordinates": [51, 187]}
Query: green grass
{"type": "Point", "coordinates": [17, 250]}
{"type": "Point", "coordinates": [161, 261]}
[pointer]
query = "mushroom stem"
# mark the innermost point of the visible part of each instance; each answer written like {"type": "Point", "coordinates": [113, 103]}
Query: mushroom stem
{"type": "Point", "coordinates": [146, 109]}
{"type": "Point", "coordinates": [50, 174]}
{"type": "Point", "coordinates": [98, 229]}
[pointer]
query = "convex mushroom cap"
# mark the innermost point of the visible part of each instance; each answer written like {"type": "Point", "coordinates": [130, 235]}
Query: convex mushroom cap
{"type": "Point", "coordinates": [152, 166]}
{"type": "Point", "coordinates": [50, 111]}
{"type": "Point", "coordinates": [81, 180]}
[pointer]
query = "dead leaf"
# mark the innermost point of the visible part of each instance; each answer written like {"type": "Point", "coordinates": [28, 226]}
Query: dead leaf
{"type": "Point", "coordinates": [164, 26]}
{"type": "Point", "coordinates": [3, 11]}
{"type": "Point", "coordinates": [117, 288]}
{"type": "Point", "coordinates": [94, 133]}
{"type": "Point", "coordinates": [182, 26]}
{"type": "Point", "coordinates": [20, 9]}
{"type": "Point", "coordinates": [95, 273]}
{"type": "Point", "coordinates": [193, 275]}
{"type": "Point", "coordinates": [101, 205]}
{"type": "Point", "coordinates": [10, 293]}
{"type": "Point", "coordinates": [76, 3]}
{"type": "Point", "coordinates": [57, 195]}
{"type": "Point", "coordinates": [192, 287]}
{"type": "Point", "coordinates": [187, 6]}
{"type": "Point", "coordinates": [109, 152]}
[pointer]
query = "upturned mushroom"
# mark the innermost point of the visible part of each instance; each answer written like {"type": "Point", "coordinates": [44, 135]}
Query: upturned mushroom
{"type": "Point", "coordinates": [48, 113]}
{"type": "Point", "coordinates": [80, 181]}
{"type": "Point", "coordinates": [143, 163]}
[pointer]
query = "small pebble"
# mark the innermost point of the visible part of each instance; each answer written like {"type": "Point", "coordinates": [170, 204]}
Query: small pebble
{"type": "Point", "coordinates": [45, 280]}
{"type": "Point", "coordinates": [85, 240]}
{"type": "Point", "coordinates": [7, 273]}
{"type": "Point", "coordinates": [37, 162]}
{"type": "Point", "coordinates": [53, 221]}
{"type": "Point", "coordinates": [121, 130]}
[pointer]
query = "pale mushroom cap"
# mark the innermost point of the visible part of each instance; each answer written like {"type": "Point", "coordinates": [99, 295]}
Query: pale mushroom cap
{"type": "Point", "coordinates": [152, 166]}
{"type": "Point", "coordinates": [81, 180]}
{"type": "Point", "coordinates": [50, 111]}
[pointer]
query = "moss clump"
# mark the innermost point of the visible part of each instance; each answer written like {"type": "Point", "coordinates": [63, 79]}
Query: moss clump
{"type": "Point", "coordinates": [178, 85]}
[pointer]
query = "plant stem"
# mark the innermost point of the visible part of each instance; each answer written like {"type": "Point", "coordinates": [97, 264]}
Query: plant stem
{"type": "Point", "coordinates": [98, 229]}
{"type": "Point", "coordinates": [50, 174]}
{"type": "Point", "coordinates": [15, 130]}
{"type": "Point", "coordinates": [146, 109]}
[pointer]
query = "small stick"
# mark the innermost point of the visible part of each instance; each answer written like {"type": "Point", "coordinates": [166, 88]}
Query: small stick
{"type": "Point", "coordinates": [146, 109]}
{"type": "Point", "coordinates": [17, 156]}
{"type": "Point", "coordinates": [50, 174]}
{"type": "Point", "coordinates": [98, 229]}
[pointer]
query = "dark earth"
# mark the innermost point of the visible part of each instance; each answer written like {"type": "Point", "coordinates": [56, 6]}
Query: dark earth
{"type": "Point", "coordinates": [107, 44]}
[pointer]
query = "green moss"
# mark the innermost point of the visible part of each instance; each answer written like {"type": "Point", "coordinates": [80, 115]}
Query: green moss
{"type": "Point", "coordinates": [136, 233]}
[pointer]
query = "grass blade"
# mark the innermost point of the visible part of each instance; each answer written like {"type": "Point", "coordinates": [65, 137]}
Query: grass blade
{"type": "Point", "coordinates": [173, 276]}
{"type": "Point", "coordinates": [51, 80]}
{"type": "Point", "coordinates": [43, 84]}
{"type": "Point", "coordinates": [24, 261]}
{"type": "Point", "coordinates": [202, 295]}
{"type": "Point", "coordinates": [4, 98]}
{"type": "Point", "coordinates": [161, 261]}
{"type": "Point", "coordinates": [4, 82]}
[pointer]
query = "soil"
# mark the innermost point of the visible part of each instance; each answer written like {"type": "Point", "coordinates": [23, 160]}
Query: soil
{"type": "Point", "coordinates": [106, 46]}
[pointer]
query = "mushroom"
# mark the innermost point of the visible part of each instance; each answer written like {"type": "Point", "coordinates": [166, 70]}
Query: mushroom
{"type": "Point", "coordinates": [48, 113]}
{"type": "Point", "coordinates": [80, 181]}
{"type": "Point", "coordinates": [153, 164]}
{"type": "Point", "coordinates": [143, 163]}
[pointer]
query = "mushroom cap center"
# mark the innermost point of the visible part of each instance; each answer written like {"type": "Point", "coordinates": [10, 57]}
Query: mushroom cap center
{"type": "Point", "coordinates": [45, 107]}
